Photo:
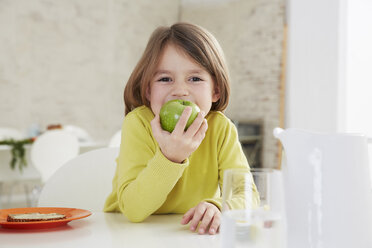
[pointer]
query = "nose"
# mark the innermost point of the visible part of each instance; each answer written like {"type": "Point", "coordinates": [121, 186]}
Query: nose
{"type": "Point", "coordinates": [180, 89]}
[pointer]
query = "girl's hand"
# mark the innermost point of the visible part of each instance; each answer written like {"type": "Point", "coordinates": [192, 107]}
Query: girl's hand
{"type": "Point", "coordinates": [178, 145]}
{"type": "Point", "coordinates": [207, 213]}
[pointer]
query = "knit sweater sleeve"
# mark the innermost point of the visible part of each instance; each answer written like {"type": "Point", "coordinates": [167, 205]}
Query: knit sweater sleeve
{"type": "Point", "coordinates": [144, 176]}
{"type": "Point", "coordinates": [230, 156]}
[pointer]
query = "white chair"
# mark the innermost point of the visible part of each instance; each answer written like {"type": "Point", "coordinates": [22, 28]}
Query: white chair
{"type": "Point", "coordinates": [79, 132]}
{"type": "Point", "coordinates": [115, 139]}
{"type": "Point", "coordinates": [83, 182]}
{"type": "Point", "coordinates": [51, 150]}
{"type": "Point", "coordinates": [10, 133]}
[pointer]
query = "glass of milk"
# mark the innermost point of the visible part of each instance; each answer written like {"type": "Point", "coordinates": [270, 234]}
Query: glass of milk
{"type": "Point", "coordinates": [247, 221]}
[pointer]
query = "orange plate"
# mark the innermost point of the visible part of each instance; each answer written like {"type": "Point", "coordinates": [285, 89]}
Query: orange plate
{"type": "Point", "coordinates": [70, 213]}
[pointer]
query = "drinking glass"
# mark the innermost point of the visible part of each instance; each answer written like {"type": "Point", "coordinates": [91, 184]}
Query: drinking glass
{"type": "Point", "coordinates": [247, 221]}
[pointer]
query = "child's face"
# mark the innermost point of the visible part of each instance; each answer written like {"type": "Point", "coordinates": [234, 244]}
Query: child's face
{"type": "Point", "coordinates": [179, 77]}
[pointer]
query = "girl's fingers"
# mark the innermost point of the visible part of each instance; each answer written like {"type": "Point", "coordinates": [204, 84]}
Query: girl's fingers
{"type": "Point", "coordinates": [181, 124]}
{"type": "Point", "coordinates": [199, 136]}
{"type": "Point", "coordinates": [198, 215]}
{"type": "Point", "coordinates": [203, 129]}
{"type": "Point", "coordinates": [187, 216]}
{"type": "Point", "coordinates": [213, 229]}
{"type": "Point", "coordinates": [207, 214]}
{"type": "Point", "coordinates": [207, 218]}
{"type": "Point", "coordinates": [195, 126]}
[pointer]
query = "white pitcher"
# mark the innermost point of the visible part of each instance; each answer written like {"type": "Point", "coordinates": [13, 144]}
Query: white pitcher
{"type": "Point", "coordinates": [327, 189]}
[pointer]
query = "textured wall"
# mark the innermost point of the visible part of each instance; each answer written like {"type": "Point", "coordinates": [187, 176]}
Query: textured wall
{"type": "Point", "coordinates": [67, 61]}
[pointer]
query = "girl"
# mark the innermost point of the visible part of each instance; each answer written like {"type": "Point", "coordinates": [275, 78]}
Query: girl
{"type": "Point", "coordinates": [180, 172]}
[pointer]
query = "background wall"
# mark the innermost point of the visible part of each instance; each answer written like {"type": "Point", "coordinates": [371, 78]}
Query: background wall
{"type": "Point", "coordinates": [315, 65]}
{"type": "Point", "coordinates": [68, 61]}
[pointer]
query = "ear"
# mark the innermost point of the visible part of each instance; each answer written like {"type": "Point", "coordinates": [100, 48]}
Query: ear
{"type": "Point", "coordinates": [148, 93]}
{"type": "Point", "coordinates": [216, 94]}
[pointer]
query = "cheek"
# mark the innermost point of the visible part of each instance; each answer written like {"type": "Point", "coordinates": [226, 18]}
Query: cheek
{"type": "Point", "coordinates": [205, 103]}
{"type": "Point", "coordinates": [155, 99]}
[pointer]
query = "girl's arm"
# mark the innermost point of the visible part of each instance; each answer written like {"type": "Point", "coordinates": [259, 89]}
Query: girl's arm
{"type": "Point", "coordinates": [144, 176]}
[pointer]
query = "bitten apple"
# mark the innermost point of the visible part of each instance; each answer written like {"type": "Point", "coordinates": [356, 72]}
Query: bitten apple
{"type": "Point", "coordinates": [171, 112]}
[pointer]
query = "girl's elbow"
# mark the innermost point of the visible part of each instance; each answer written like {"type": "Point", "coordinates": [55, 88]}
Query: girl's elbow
{"type": "Point", "coordinates": [133, 214]}
{"type": "Point", "coordinates": [135, 218]}
{"type": "Point", "coordinates": [132, 210]}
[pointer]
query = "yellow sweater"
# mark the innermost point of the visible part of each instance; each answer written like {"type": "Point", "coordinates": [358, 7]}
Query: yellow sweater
{"type": "Point", "coordinates": [146, 182]}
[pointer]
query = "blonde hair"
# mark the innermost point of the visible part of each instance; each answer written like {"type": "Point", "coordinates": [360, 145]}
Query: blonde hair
{"type": "Point", "coordinates": [198, 43]}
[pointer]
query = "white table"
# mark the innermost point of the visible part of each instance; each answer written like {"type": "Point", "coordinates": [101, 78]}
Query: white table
{"type": "Point", "coordinates": [112, 230]}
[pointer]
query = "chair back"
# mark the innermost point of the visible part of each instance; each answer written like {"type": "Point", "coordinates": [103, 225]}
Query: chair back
{"type": "Point", "coordinates": [80, 133]}
{"type": "Point", "coordinates": [83, 182]}
{"type": "Point", "coordinates": [115, 139]}
{"type": "Point", "coordinates": [51, 150]}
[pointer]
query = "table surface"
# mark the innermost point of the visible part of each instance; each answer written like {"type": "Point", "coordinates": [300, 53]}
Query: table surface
{"type": "Point", "coordinates": [111, 230]}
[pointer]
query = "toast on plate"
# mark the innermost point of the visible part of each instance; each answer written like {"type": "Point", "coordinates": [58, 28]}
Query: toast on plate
{"type": "Point", "coordinates": [27, 217]}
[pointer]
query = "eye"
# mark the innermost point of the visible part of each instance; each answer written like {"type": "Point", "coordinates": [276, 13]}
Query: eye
{"type": "Point", "coordinates": [165, 79]}
{"type": "Point", "coordinates": [195, 79]}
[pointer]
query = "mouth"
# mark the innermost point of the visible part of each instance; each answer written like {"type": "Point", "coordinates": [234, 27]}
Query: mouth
{"type": "Point", "coordinates": [181, 99]}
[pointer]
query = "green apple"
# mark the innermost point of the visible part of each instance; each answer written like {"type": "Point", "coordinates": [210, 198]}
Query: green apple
{"type": "Point", "coordinates": [171, 112]}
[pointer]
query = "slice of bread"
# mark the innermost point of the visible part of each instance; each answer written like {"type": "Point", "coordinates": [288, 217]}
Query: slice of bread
{"type": "Point", "coordinates": [34, 217]}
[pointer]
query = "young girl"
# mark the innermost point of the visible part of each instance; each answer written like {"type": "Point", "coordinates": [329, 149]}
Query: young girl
{"type": "Point", "coordinates": [180, 172]}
